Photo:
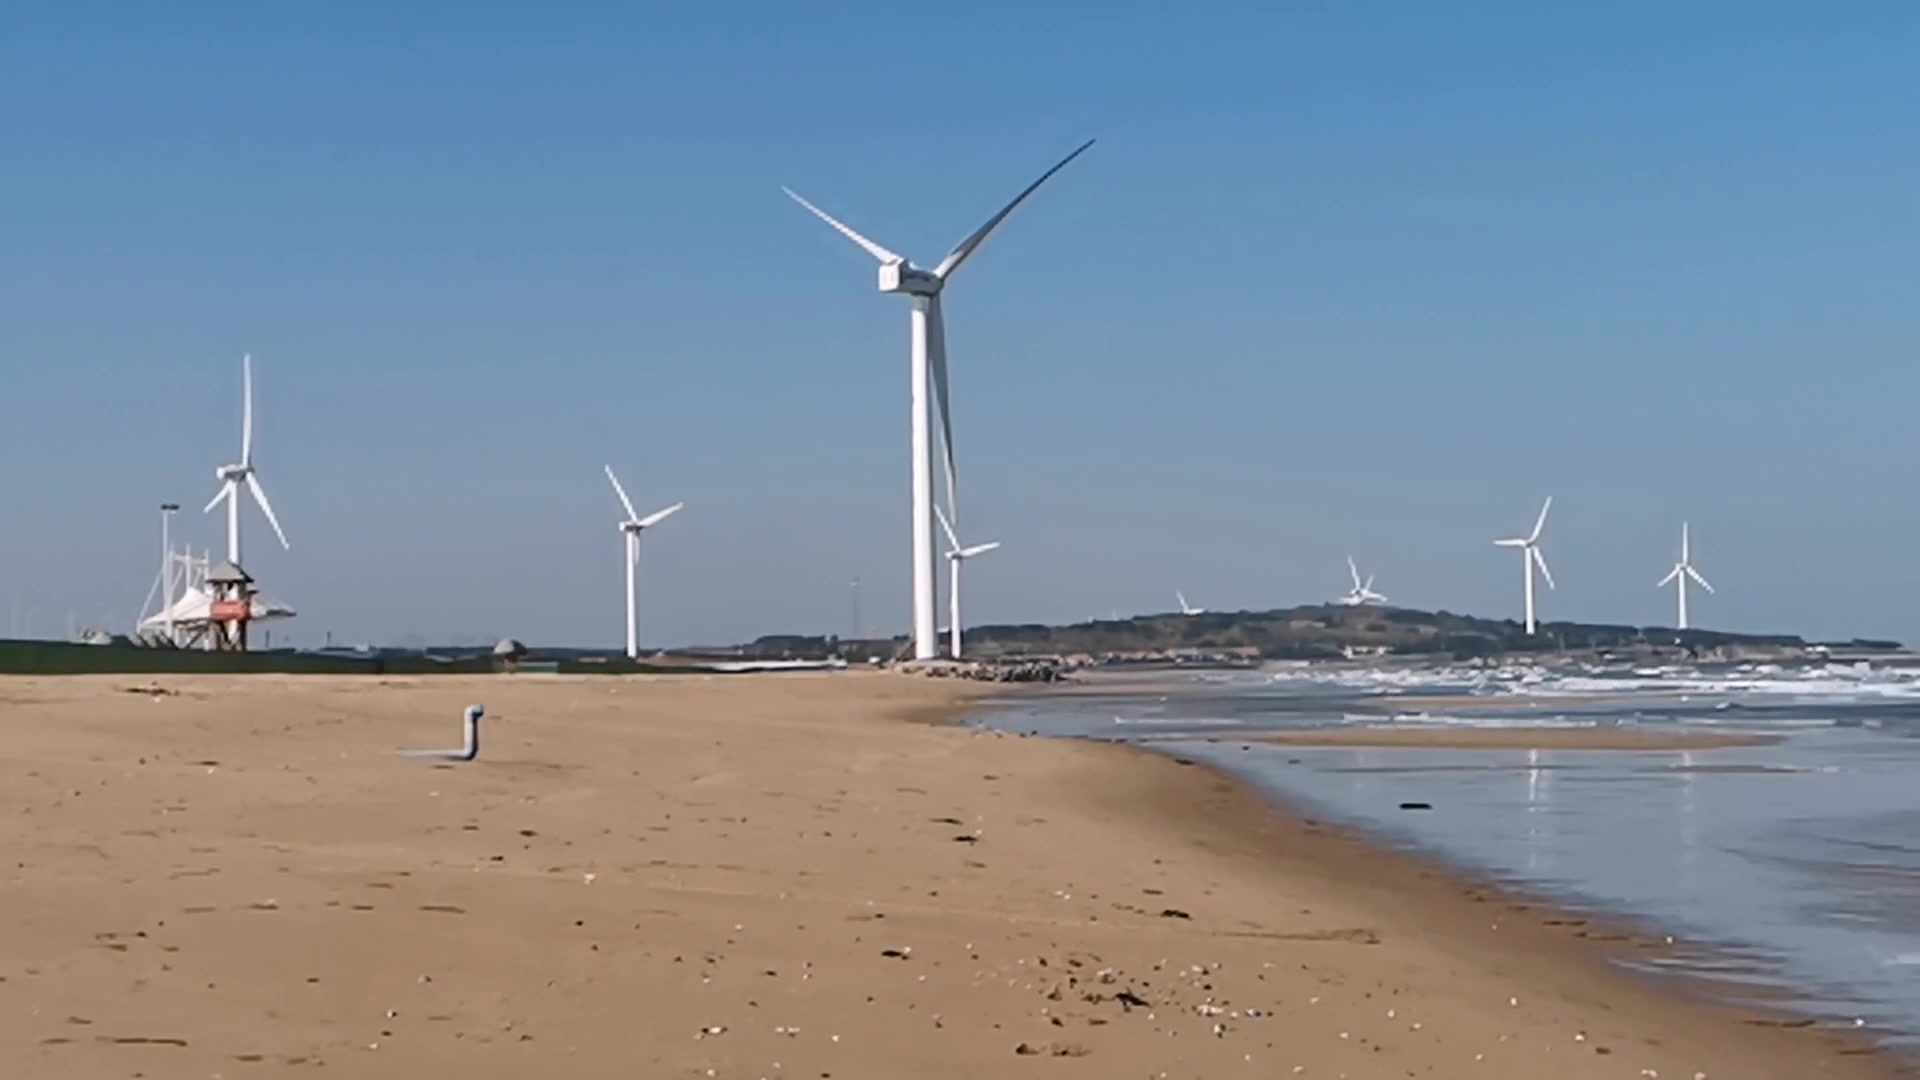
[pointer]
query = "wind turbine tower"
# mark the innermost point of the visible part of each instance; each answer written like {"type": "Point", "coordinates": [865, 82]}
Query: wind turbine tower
{"type": "Point", "coordinates": [1681, 571]}
{"type": "Point", "coordinates": [243, 473]}
{"type": "Point", "coordinates": [1530, 557]}
{"type": "Point", "coordinates": [928, 355]}
{"type": "Point", "coordinates": [631, 527]}
{"type": "Point", "coordinates": [957, 555]}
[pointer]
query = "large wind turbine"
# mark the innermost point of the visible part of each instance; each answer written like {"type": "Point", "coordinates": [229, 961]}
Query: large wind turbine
{"type": "Point", "coordinates": [1362, 593]}
{"type": "Point", "coordinates": [957, 555]}
{"type": "Point", "coordinates": [1530, 557]}
{"type": "Point", "coordinates": [232, 477]}
{"type": "Point", "coordinates": [929, 360]}
{"type": "Point", "coordinates": [632, 527]}
{"type": "Point", "coordinates": [1681, 571]}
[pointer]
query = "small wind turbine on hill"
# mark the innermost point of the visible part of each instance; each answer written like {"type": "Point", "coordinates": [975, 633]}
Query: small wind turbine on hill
{"type": "Point", "coordinates": [929, 364]}
{"type": "Point", "coordinates": [1530, 557]}
{"type": "Point", "coordinates": [1362, 593]}
{"type": "Point", "coordinates": [958, 554]}
{"type": "Point", "coordinates": [631, 528]}
{"type": "Point", "coordinates": [1681, 571]}
{"type": "Point", "coordinates": [232, 477]}
{"type": "Point", "coordinates": [1186, 608]}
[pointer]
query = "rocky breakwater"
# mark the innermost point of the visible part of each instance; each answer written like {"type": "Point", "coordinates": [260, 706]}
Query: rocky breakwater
{"type": "Point", "coordinates": [1008, 671]}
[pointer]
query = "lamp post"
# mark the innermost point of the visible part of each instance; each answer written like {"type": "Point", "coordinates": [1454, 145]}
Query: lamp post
{"type": "Point", "coordinates": [167, 510]}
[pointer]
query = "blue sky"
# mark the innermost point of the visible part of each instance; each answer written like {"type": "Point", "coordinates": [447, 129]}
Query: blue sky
{"type": "Point", "coordinates": [1338, 277]}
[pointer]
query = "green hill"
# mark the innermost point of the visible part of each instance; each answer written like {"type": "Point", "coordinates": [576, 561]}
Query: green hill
{"type": "Point", "coordinates": [1311, 633]}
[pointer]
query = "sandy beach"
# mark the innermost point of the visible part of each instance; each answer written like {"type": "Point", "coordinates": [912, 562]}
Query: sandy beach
{"type": "Point", "coordinates": [767, 876]}
{"type": "Point", "coordinates": [1518, 738]}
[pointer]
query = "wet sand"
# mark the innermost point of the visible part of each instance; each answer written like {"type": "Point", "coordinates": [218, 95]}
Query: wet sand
{"type": "Point", "coordinates": [748, 877]}
{"type": "Point", "coordinates": [1517, 738]}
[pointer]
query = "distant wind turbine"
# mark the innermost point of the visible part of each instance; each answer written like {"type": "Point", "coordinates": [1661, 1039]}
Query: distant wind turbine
{"type": "Point", "coordinates": [1362, 593]}
{"type": "Point", "coordinates": [233, 476]}
{"type": "Point", "coordinates": [929, 360]}
{"type": "Point", "coordinates": [955, 556]}
{"type": "Point", "coordinates": [1186, 608]}
{"type": "Point", "coordinates": [1530, 557]}
{"type": "Point", "coordinates": [632, 527]}
{"type": "Point", "coordinates": [1681, 571]}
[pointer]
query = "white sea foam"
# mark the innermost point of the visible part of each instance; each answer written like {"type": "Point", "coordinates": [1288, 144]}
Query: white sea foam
{"type": "Point", "coordinates": [1452, 720]}
{"type": "Point", "coordinates": [1768, 682]}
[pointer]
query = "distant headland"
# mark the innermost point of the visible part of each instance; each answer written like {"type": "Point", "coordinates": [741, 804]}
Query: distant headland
{"type": "Point", "coordinates": [1327, 632]}
{"type": "Point", "coordinates": [1331, 632]}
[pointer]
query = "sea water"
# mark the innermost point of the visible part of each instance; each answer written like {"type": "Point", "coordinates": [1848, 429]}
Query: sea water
{"type": "Point", "coordinates": [1798, 861]}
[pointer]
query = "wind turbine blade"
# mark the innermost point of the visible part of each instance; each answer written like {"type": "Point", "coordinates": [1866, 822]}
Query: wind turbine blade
{"type": "Point", "coordinates": [1368, 587]}
{"type": "Point", "coordinates": [659, 516]}
{"type": "Point", "coordinates": [260, 496]}
{"type": "Point", "coordinates": [1686, 545]}
{"type": "Point", "coordinates": [1355, 570]}
{"type": "Point", "coordinates": [225, 492]}
{"type": "Point", "coordinates": [1540, 561]}
{"type": "Point", "coordinates": [947, 527]}
{"type": "Point", "coordinates": [246, 409]}
{"type": "Point", "coordinates": [937, 359]}
{"type": "Point", "coordinates": [967, 247]}
{"type": "Point", "coordinates": [978, 549]}
{"type": "Point", "coordinates": [1671, 574]}
{"type": "Point", "coordinates": [1511, 542]}
{"type": "Point", "coordinates": [1541, 521]}
{"type": "Point", "coordinates": [1698, 580]}
{"type": "Point", "coordinates": [625, 502]}
{"type": "Point", "coordinates": [872, 248]}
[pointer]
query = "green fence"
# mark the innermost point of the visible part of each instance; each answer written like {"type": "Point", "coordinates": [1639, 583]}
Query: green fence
{"type": "Point", "coordinates": [64, 658]}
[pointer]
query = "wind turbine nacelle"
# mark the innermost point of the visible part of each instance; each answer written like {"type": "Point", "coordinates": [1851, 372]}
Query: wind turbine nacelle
{"type": "Point", "coordinates": [909, 279]}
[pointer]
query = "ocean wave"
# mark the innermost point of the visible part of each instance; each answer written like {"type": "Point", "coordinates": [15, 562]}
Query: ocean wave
{"type": "Point", "coordinates": [1767, 682]}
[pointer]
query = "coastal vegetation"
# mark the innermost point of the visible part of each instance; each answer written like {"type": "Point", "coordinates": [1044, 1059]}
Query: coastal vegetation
{"type": "Point", "coordinates": [1321, 632]}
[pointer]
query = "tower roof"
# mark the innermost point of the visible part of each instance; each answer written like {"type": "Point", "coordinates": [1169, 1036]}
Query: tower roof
{"type": "Point", "coordinates": [228, 574]}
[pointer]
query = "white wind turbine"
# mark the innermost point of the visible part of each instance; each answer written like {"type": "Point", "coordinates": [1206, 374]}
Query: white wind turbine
{"type": "Point", "coordinates": [1681, 571]}
{"type": "Point", "coordinates": [929, 360]}
{"type": "Point", "coordinates": [957, 555]}
{"type": "Point", "coordinates": [632, 527]}
{"type": "Point", "coordinates": [1362, 593]}
{"type": "Point", "coordinates": [1186, 608]}
{"type": "Point", "coordinates": [232, 477]}
{"type": "Point", "coordinates": [1530, 557]}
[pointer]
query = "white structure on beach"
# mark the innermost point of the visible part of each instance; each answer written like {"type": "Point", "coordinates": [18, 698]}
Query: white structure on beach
{"type": "Point", "coordinates": [1362, 593]}
{"type": "Point", "coordinates": [957, 554]}
{"type": "Point", "coordinates": [1530, 557]}
{"type": "Point", "coordinates": [1682, 570]}
{"type": "Point", "coordinates": [243, 474]}
{"type": "Point", "coordinates": [186, 622]}
{"type": "Point", "coordinates": [929, 366]}
{"type": "Point", "coordinates": [631, 527]}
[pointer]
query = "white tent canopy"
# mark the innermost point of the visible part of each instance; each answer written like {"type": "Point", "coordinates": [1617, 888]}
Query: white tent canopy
{"type": "Point", "coordinates": [194, 609]}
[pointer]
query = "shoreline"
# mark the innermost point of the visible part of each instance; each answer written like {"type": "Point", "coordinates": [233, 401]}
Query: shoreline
{"type": "Point", "coordinates": [785, 874]}
{"type": "Point", "coordinates": [1633, 739]}
{"type": "Point", "coordinates": [1607, 951]}
{"type": "Point", "coordinates": [1617, 940]}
